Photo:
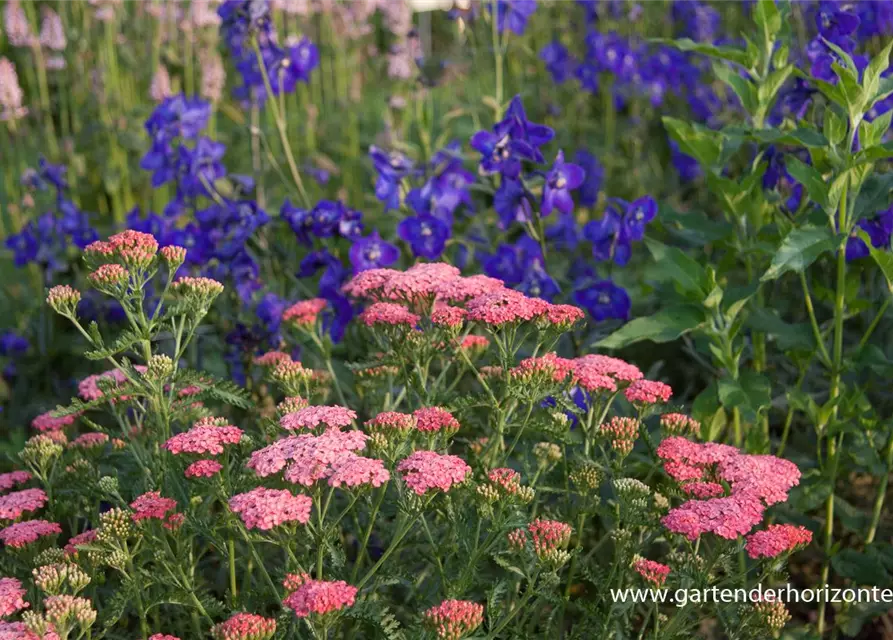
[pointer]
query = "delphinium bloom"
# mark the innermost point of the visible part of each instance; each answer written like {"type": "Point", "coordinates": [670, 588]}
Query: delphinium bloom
{"type": "Point", "coordinates": [560, 181]}
{"type": "Point", "coordinates": [371, 252]}
{"type": "Point", "coordinates": [559, 63]}
{"type": "Point", "coordinates": [392, 169]}
{"type": "Point", "coordinates": [204, 440]}
{"type": "Point", "coordinates": [434, 419]}
{"type": "Point", "coordinates": [425, 235]}
{"type": "Point", "coordinates": [426, 470]}
{"type": "Point", "coordinates": [654, 573]}
{"type": "Point", "coordinates": [203, 469]}
{"type": "Point", "coordinates": [603, 300]}
{"type": "Point", "coordinates": [317, 597]}
{"type": "Point", "coordinates": [13, 478]}
{"type": "Point", "coordinates": [245, 626]}
{"type": "Point", "coordinates": [454, 619]}
{"type": "Point", "coordinates": [511, 140]}
{"type": "Point", "coordinates": [777, 539]}
{"type": "Point", "coordinates": [263, 508]}
{"type": "Point", "coordinates": [11, 597]}
{"type": "Point", "coordinates": [513, 14]}
{"type": "Point", "coordinates": [22, 534]}
{"type": "Point", "coordinates": [312, 417]}
{"type": "Point", "coordinates": [13, 505]}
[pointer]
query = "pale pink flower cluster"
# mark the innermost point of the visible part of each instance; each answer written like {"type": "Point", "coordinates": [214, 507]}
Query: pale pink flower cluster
{"type": "Point", "coordinates": [354, 471]}
{"type": "Point", "coordinates": [388, 313]}
{"type": "Point", "coordinates": [11, 94]}
{"type": "Point", "coordinates": [205, 287]}
{"type": "Point", "coordinates": [424, 471]}
{"type": "Point", "coordinates": [13, 505]}
{"type": "Point", "coordinates": [504, 306]}
{"type": "Point", "coordinates": [245, 626]}
{"type": "Point", "coordinates": [306, 458]}
{"type": "Point", "coordinates": [447, 316]}
{"type": "Point", "coordinates": [435, 419]}
{"type": "Point", "coordinates": [203, 469]}
{"type": "Point", "coordinates": [22, 534]}
{"type": "Point", "coordinates": [263, 508]}
{"type": "Point", "coordinates": [272, 358]}
{"type": "Point", "coordinates": [549, 535]}
{"type": "Point", "coordinates": [18, 30]}
{"type": "Point", "coordinates": [47, 422]}
{"type": "Point", "coordinates": [508, 480]}
{"type": "Point", "coordinates": [204, 440]}
{"type": "Point", "coordinates": [162, 636]}
{"type": "Point", "coordinates": [620, 428]}
{"type": "Point", "coordinates": [88, 388]}
{"type": "Point", "coordinates": [12, 597]}
{"type": "Point", "coordinates": [213, 74]}
{"type": "Point", "coordinates": [89, 440]}
{"type": "Point", "coordinates": [173, 254]}
{"type": "Point", "coordinates": [654, 573]}
{"type": "Point", "coordinates": [540, 369]}
{"type": "Point", "coordinates": [777, 539]}
{"type": "Point", "coordinates": [109, 275]}
{"type": "Point", "coordinates": [474, 343]}
{"type": "Point", "coordinates": [13, 479]}
{"type": "Point", "coordinates": [317, 597]}
{"type": "Point", "coordinates": [18, 631]}
{"type": "Point", "coordinates": [160, 87]}
{"type": "Point", "coordinates": [314, 416]}
{"type": "Point", "coordinates": [755, 482]}
{"type": "Point", "coordinates": [454, 619]}
{"type": "Point", "coordinates": [305, 312]}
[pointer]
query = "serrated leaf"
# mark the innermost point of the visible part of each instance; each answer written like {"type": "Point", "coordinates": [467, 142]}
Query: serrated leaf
{"type": "Point", "coordinates": [800, 248]}
{"type": "Point", "coordinates": [664, 326]}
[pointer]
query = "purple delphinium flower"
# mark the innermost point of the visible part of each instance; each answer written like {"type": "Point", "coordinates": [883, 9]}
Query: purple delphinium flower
{"type": "Point", "coordinates": [638, 214]}
{"type": "Point", "coordinates": [304, 58]}
{"type": "Point", "coordinates": [536, 282]}
{"type": "Point", "coordinates": [13, 344]}
{"type": "Point", "coordinates": [513, 203]}
{"type": "Point", "coordinates": [561, 179]}
{"type": "Point", "coordinates": [299, 219]}
{"type": "Point", "coordinates": [513, 14]}
{"type": "Point", "coordinates": [594, 175]}
{"type": "Point", "coordinates": [696, 20]}
{"type": "Point", "coordinates": [392, 168]}
{"type": "Point", "coordinates": [510, 262]}
{"type": "Point", "coordinates": [793, 102]}
{"type": "Point", "coordinates": [559, 63]}
{"type": "Point", "coordinates": [603, 300]}
{"type": "Point", "coordinates": [564, 234]}
{"type": "Point", "coordinates": [879, 230]}
{"type": "Point", "coordinates": [687, 167]}
{"type": "Point", "coordinates": [201, 166]}
{"type": "Point", "coordinates": [425, 235]}
{"type": "Point", "coordinates": [512, 139]}
{"type": "Point", "coordinates": [372, 252]}
{"type": "Point", "coordinates": [835, 20]}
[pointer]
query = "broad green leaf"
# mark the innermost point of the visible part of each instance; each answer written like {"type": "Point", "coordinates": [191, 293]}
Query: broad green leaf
{"type": "Point", "coordinates": [681, 268]}
{"type": "Point", "coordinates": [872, 74]}
{"type": "Point", "coordinates": [813, 490]}
{"type": "Point", "coordinates": [863, 567]}
{"type": "Point", "coordinates": [800, 248]}
{"type": "Point", "coordinates": [743, 88]}
{"type": "Point", "coordinates": [701, 143]}
{"type": "Point", "coordinates": [878, 152]}
{"type": "Point", "coordinates": [768, 19]}
{"type": "Point", "coordinates": [787, 336]}
{"type": "Point", "coordinates": [871, 133]}
{"type": "Point", "coordinates": [834, 127]}
{"type": "Point", "coordinates": [768, 90]}
{"type": "Point", "coordinates": [810, 178]}
{"type": "Point", "coordinates": [749, 394]}
{"type": "Point", "coordinates": [664, 326]}
{"type": "Point", "coordinates": [802, 137]}
{"type": "Point", "coordinates": [849, 64]}
{"type": "Point", "coordinates": [722, 53]}
{"type": "Point", "coordinates": [882, 258]}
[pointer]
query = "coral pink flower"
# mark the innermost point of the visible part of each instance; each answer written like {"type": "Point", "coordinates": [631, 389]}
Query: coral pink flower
{"type": "Point", "coordinates": [390, 421]}
{"type": "Point", "coordinates": [109, 275]}
{"type": "Point", "coordinates": [388, 313]}
{"type": "Point", "coordinates": [13, 479]}
{"type": "Point", "coordinates": [368, 283]}
{"type": "Point", "coordinates": [679, 449]}
{"type": "Point", "coordinates": [767, 477]}
{"type": "Point", "coordinates": [563, 315]}
{"type": "Point", "coordinates": [432, 419]}
{"type": "Point", "coordinates": [86, 537]}
{"type": "Point", "coordinates": [63, 299]}
{"type": "Point", "coordinates": [620, 428]}
{"type": "Point", "coordinates": [653, 572]}
{"type": "Point", "coordinates": [162, 636]}
{"type": "Point", "coordinates": [426, 470]}
{"type": "Point", "coordinates": [703, 490]}
{"type": "Point", "coordinates": [508, 480]}
{"type": "Point", "coordinates": [548, 367]}
{"type": "Point", "coordinates": [173, 254]}
{"type": "Point", "coordinates": [135, 248]}
{"type": "Point", "coordinates": [46, 421]}
{"type": "Point", "coordinates": [353, 471]}
{"type": "Point", "coordinates": [549, 535]}
{"type": "Point", "coordinates": [88, 388]}
{"type": "Point", "coordinates": [263, 508]}
{"type": "Point", "coordinates": [203, 287]}
{"type": "Point", "coordinates": [474, 343]}
{"type": "Point", "coordinates": [245, 626]}
{"type": "Point", "coordinates": [727, 517]}
{"type": "Point", "coordinates": [614, 367]}
{"type": "Point", "coordinates": [306, 458]}
{"type": "Point", "coordinates": [89, 440]}
{"type": "Point", "coordinates": [312, 417]}
{"type": "Point", "coordinates": [776, 539]}
{"type": "Point", "coordinates": [318, 597]}
{"type": "Point", "coordinates": [272, 358]}
{"type": "Point", "coordinates": [152, 506]}
{"type": "Point", "coordinates": [504, 306]}
{"type": "Point", "coordinates": [18, 631]}
{"type": "Point", "coordinates": [446, 316]}
{"type": "Point", "coordinates": [648, 392]}
{"type": "Point", "coordinates": [454, 619]}
{"type": "Point", "coordinates": [462, 289]}
{"type": "Point", "coordinates": [204, 440]}
{"type": "Point", "coordinates": [203, 469]}
{"type": "Point", "coordinates": [12, 597]}
{"type": "Point", "coordinates": [21, 534]}
{"type": "Point", "coordinates": [419, 282]}
{"type": "Point", "coordinates": [592, 381]}
{"type": "Point", "coordinates": [305, 312]}
{"type": "Point", "coordinates": [13, 505]}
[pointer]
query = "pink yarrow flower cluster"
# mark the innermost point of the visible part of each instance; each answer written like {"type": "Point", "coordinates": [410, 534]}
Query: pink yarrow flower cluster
{"type": "Point", "coordinates": [648, 392]}
{"type": "Point", "coordinates": [47, 422]}
{"type": "Point", "coordinates": [88, 388]}
{"type": "Point", "coordinates": [305, 312]}
{"type": "Point", "coordinates": [74, 542]}
{"type": "Point", "coordinates": [272, 358]}
{"type": "Point", "coordinates": [203, 469]}
{"type": "Point", "coordinates": [152, 506]}
{"type": "Point", "coordinates": [388, 314]}
{"type": "Point", "coordinates": [654, 573]}
{"type": "Point", "coordinates": [245, 626]}
{"type": "Point", "coordinates": [317, 597]}
{"type": "Point", "coordinates": [12, 597]}
{"type": "Point", "coordinates": [13, 505]}
{"type": "Point", "coordinates": [89, 440]}
{"type": "Point", "coordinates": [18, 631]}
{"type": "Point", "coordinates": [777, 539]}
{"type": "Point", "coordinates": [454, 619]}
{"type": "Point", "coordinates": [13, 479]}
{"type": "Point", "coordinates": [424, 471]}
{"type": "Point", "coordinates": [355, 471]}
{"type": "Point", "coordinates": [263, 508]}
{"type": "Point", "coordinates": [391, 421]}
{"type": "Point", "coordinates": [312, 417]}
{"type": "Point", "coordinates": [22, 534]}
{"type": "Point", "coordinates": [204, 440]}
{"type": "Point", "coordinates": [306, 458]}
{"type": "Point", "coordinates": [434, 419]}
{"type": "Point", "coordinates": [546, 368]}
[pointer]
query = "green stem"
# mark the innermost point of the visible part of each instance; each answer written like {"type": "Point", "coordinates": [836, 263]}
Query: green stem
{"type": "Point", "coordinates": [816, 332]}
{"type": "Point", "coordinates": [359, 561]}
{"type": "Point", "coordinates": [502, 623]}
{"type": "Point", "coordinates": [233, 589]}
{"type": "Point", "coordinates": [874, 323]}
{"type": "Point", "coordinates": [882, 492]}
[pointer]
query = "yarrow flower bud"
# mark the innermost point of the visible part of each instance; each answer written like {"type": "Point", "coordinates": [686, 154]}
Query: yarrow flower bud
{"type": "Point", "coordinates": [454, 619]}
{"type": "Point", "coordinates": [317, 597]}
{"type": "Point", "coordinates": [198, 291]}
{"type": "Point", "coordinates": [654, 573]}
{"type": "Point", "coordinates": [547, 453]}
{"type": "Point", "coordinates": [391, 424]}
{"type": "Point", "coordinates": [39, 450]}
{"type": "Point", "coordinates": [587, 477]}
{"type": "Point", "coordinates": [135, 249]}
{"type": "Point", "coordinates": [773, 614]}
{"type": "Point", "coordinates": [303, 314]}
{"type": "Point", "coordinates": [108, 484]}
{"type": "Point", "coordinates": [290, 374]}
{"type": "Point", "coordinates": [245, 626]}
{"type": "Point", "coordinates": [64, 300]}
{"type": "Point", "coordinates": [160, 367]}
{"type": "Point", "coordinates": [173, 255]}
{"type": "Point", "coordinates": [550, 540]}
{"type": "Point", "coordinates": [68, 612]}
{"type": "Point", "coordinates": [291, 404]}
{"type": "Point", "coordinates": [114, 525]}
{"type": "Point", "coordinates": [677, 424]}
{"type": "Point", "coordinates": [52, 578]}
{"type": "Point", "coordinates": [110, 278]}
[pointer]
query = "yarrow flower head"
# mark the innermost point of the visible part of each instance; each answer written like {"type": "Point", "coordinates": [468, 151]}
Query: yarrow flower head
{"type": "Point", "coordinates": [12, 596]}
{"type": "Point", "coordinates": [654, 573]}
{"type": "Point", "coordinates": [152, 506]}
{"type": "Point", "coordinates": [109, 278]}
{"type": "Point", "coordinates": [86, 441]}
{"type": "Point", "coordinates": [777, 539]}
{"type": "Point", "coordinates": [47, 422]}
{"type": "Point", "coordinates": [391, 422]}
{"type": "Point", "coordinates": [424, 471]}
{"type": "Point", "coordinates": [648, 392]}
{"type": "Point", "coordinates": [203, 469]}
{"type": "Point", "coordinates": [306, 458]}
{"type": "Point", "coordinates": [454, 619]}
{"type": "Point", "coordinates": [264, 509]}
{"type": "Point", "coordinates": [52, 578]}
{"type": "Point", "coordinates": [134, 248]}
{"type": "Point", "coordinates": [312, 417]}
{"type": "Point", "coordinates": [550, 539]}
{"type": "Point", "coordinates": [354, 471]}
{"type": "Point", "coordinates": [435, 419]}
{"type": "Point", "coordinates": [21, 534]}
{"type": "Point", "coordinates": [678, 424]}
{"type": "Point", "coordinates": [63, 299]}
{"type": "Point", "coordinates": [388, 314]}
{"type": "Point", "coordinates": [13, 505]}
{"type": "Point", "coordinates": [173, 255]}
{"type": "Point", "coordinates": [311, 597]}
{"type": "Point", "coordinates": [245, 626]}
{"type": "Point", "coordinates": [304, 313]}
{"type": "Point", "coordinates": [204, 440]}
{"type": "Point", "coordinates": [68, 612]}
{"type": "Point", "coordinates": [202, 291]}
{"type": "Point", "coordinates": [13, 479]}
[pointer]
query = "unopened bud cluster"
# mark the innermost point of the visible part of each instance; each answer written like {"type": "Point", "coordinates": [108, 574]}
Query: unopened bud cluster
{"type": "Point", "coordinates": [64, 300]}
{"type": "Point", "coordinates": [160, 367]}
{"type": "Point", "coordinates": [54, 578]}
